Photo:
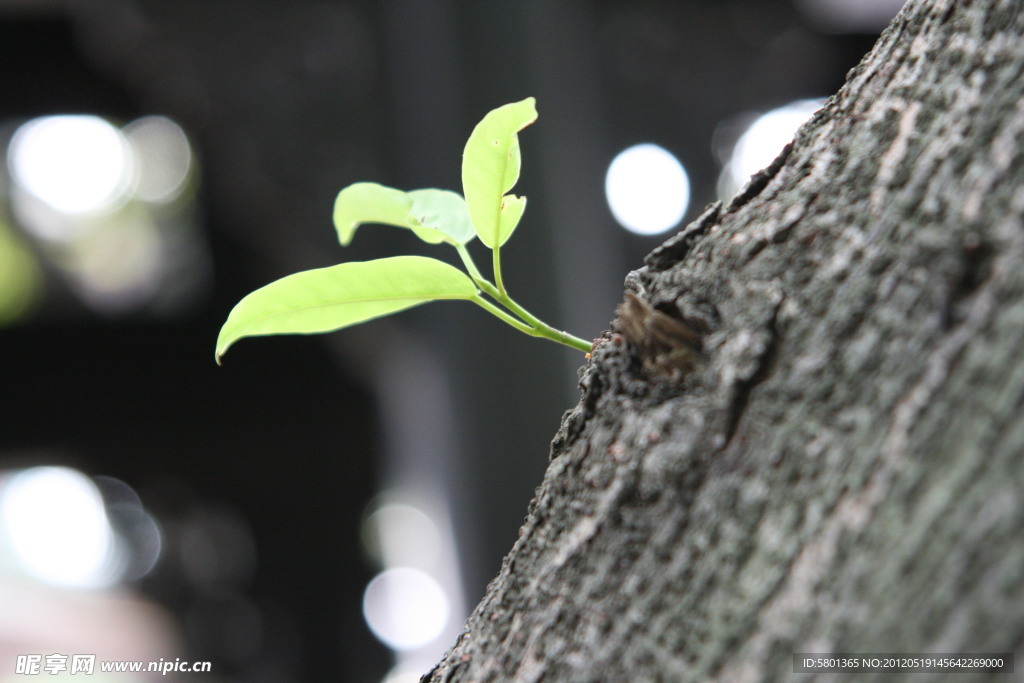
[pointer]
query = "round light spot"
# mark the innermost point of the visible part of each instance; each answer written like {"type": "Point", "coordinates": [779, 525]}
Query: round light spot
{"type": "Point", "coordinates": [647, 189]}
{"type": "Point", "coordinates": [57, 527]}
{"type": "Point", "coordinates": [765, 138]}
{"type": "Point", "coordinates": [405, 608]}
{"type": "Point", "coordinates": [76, 164]}
{"type": "Point", "coordinates": [401, 535]}
{"type": "Point", "coordinates": [163, 158]}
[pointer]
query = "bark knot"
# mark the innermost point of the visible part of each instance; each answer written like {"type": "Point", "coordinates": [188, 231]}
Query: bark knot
{"type": "Point", "coordinates": [668, 345]}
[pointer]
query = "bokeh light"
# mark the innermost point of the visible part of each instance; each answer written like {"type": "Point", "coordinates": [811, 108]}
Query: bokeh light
{"type": "Point", "coordinates": [137, 533]}
{"type": "Point", "coordinates": [75, 164]}
{"type": "Point", "coordinates": [843, 16]}
{"type": "Point", "coordinates": [415, 604]}
{"type": "Point", "coordinates": [55, 524]}
{"type": "Point", "coordinates": [163, 158]}
{"type": "Point", "coordinates": [647, 189]}
{"type": "Point", "coordinates": [401, 535]}
{"type": "Point", "coordinates": [64, 529]}
{"type": "Point", "coordinates": [109, 211]}
{"type": "Point", "coordinates": [758, 146]}
{"type": "Point", "coordinates": [405, 608]}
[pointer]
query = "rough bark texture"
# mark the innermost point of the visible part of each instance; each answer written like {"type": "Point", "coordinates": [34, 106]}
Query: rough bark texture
{"type": "Point", "coordinates": [842, 470]}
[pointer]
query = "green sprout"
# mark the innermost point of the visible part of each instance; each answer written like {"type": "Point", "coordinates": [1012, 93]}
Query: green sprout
{"type": "Point", "coordinates": [328, 299]}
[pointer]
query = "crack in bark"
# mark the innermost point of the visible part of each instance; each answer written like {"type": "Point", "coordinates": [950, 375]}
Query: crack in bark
{"type": "Point", "coordinates": [676, 248]}
{"type": "Point", "coordinates": [763, 361]}
{"type": "Point", "coordinates": [759, 181]}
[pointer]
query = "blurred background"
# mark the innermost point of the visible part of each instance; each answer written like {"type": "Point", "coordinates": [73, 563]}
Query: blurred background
{"type": "Point", "coordinates": [326, 507]}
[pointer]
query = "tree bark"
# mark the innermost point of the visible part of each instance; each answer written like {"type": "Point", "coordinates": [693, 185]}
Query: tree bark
{"type": "Point", "coordinates": [803, 433]}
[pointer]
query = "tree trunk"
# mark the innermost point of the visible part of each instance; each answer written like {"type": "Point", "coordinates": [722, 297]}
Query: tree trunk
{"type": "Point", "coordinates": [804, 432]}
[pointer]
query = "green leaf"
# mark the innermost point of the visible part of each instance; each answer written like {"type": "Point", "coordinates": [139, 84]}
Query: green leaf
{"type": "Point", "coordinates": [331, 298]}
{"type": "Point", "coordinates": [443, 210]}
{"type": "Point", "coordinates": [490, 168]}
{"type": "Point", "coordinates": [373, 203]}
{"type": "Point", "coordinates": [512, 208]}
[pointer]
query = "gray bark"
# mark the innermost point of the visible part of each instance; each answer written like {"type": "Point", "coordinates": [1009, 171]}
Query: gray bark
{"type": "Point", "coordinates": [804, 432]}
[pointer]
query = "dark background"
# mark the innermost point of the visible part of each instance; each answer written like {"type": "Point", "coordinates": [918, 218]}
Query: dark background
{"type": "Point", "coordinates": [286, 102]}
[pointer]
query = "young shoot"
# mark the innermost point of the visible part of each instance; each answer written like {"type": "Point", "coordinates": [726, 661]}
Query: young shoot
{"type": "Point", "coordinates": [328, 299]}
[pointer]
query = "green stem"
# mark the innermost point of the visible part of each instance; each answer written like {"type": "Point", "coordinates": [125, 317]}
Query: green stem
{"type": "Point", "coordinates": [542, 328]}
{"type": "Point", "coordinates": [502, 315]}
{"type": "Point", "coordinates": [496, 267]}
{"type": "Point", "coordinates": [471, 268]}
{"type": "Point", "coordinates": [525, 321]}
